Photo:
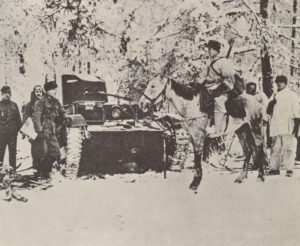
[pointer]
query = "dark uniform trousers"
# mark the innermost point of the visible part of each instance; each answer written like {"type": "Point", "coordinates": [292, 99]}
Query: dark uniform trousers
{"type": "Point", "coordinates": [10, 141]}
{"type": "Point", "coordinates": [48, 152]}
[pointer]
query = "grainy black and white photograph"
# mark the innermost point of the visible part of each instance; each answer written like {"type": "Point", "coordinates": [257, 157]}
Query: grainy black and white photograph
{"type": "Point", "coordinates": [150, 122]}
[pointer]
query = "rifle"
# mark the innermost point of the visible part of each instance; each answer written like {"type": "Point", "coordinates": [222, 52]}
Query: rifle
{"type": "Point", "coordinates": [230, 42]}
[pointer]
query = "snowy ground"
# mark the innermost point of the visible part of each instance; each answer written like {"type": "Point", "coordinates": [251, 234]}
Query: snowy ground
{"type": "Point", "coordinates": [146, 209]}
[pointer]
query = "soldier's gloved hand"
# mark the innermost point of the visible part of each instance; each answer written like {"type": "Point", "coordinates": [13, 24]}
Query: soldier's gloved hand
{"type": "Point", "coordinates": [265, 122]}
{"type": "Point", "coordinates": [296, 127]}
{"type": "Point", "coordinates": [67, 122]}
{"type": "Point", "coordinates": [41, 134]}
{"type": "Point", "coordinates": [212, 80]}
{"type": "Point", "coordinates": [205, 82]}
{"type": "Point", "coordinates": [193, 84]}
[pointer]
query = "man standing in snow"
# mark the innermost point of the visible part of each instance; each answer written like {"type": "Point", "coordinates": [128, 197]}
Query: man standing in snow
{"type": "Point", "coordinates": [284, 124]}
{"type": "Point", "coordinates": [45, 117]}
{"type": "Point", "coordinates": [258, 125]}
{"type": "Point", "coordinates": [35, 95]}
{"type": "Point", "coordinates": [10, 124]}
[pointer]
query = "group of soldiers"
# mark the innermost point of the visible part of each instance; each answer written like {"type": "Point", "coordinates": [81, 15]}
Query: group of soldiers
{"type": "Point", "coordinates": [277, 126]}
{"type": "Point", "coordinates": [44, 110]}
{"type": "Point", "coordinates": [278, 121]}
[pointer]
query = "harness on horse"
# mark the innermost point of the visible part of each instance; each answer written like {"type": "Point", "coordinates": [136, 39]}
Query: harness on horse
{"type": "Point", "coordinates": [163, 94]}
{"type": "Point", "coordinates": [153, 100]}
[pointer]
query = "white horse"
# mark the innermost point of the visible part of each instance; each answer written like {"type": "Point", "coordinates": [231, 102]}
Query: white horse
{"type": "Point", "coordinates": [187, 105]}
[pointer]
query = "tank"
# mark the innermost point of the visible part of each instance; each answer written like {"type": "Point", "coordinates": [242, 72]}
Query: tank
{"type": "Point", "coordinates": [104, 136]}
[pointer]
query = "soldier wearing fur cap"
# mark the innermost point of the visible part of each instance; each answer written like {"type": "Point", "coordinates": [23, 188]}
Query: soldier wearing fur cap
{"type": "Point", "coordinates": [10, 124]}
{"type": "Point", "coordinates": [45, 117]}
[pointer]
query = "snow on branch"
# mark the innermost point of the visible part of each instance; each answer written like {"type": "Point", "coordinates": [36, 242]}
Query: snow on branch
{"type": "Point", "coordinates": [234, 30]}
{"type": "Point", "coordinates": [293, 66]}
{"type": "Point", "coordinates": [253, 12]}
{"type": "Point", "coordinates": [288, 26]}
{"type": "Point", "coordinates": [186, 28]}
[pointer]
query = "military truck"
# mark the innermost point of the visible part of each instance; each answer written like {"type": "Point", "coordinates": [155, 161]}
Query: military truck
{"type": "Point", "coordinates": [106, 136]}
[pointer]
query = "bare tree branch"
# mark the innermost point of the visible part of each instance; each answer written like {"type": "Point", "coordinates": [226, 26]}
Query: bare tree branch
{"type": "Point", "coordinates": [244, 51]}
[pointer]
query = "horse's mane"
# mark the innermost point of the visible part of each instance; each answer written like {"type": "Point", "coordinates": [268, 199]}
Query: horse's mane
{"type": "Point", "coordinates": [184, 91]}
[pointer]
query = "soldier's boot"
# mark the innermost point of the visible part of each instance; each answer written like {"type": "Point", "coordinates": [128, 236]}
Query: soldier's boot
{"type": "Point", "coordinates": [40, 167]}
{"type": "Point", "coordinates": [48, 165]}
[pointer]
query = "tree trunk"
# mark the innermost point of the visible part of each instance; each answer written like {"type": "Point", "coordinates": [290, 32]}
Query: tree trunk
{"type": "Point", "coordinates": [293, 35]}
{"type": "Point", "coordinates": [265, 58]}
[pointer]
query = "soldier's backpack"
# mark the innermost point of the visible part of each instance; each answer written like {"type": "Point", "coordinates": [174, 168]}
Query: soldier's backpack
{"type": "Point", "coordinates": [238, 87]}
{"type": "Point", "coordinates": [235, 107]}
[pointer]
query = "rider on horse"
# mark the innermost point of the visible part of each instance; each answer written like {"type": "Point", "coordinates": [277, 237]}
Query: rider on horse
{"type": "Point", "coordinates": [225, 86]}
{"type": "Point", "coordinates": [220, 79]}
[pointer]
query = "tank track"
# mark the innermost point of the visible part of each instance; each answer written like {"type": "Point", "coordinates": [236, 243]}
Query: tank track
{"type": "Point", "coordinates": [75, 138]}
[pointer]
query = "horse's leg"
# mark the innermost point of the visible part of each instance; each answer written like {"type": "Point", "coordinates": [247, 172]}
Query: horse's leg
{"type": "Point", "coordinates": [261, 162]}
{"type": "Point", "coordinates": [198, 172]}
{"type": "Point", "coordinates": [248, 145]}
{"type": "Point", "coordinates": [197, 164]}
{"type": "Point", "coordinates": [261, 157]}
{"type": "Point", "coordinates": [206, 149]}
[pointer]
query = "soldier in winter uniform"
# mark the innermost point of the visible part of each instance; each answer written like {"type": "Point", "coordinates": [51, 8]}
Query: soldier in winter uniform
{"type": "Point", "coordinates": [219, 80]}
{"type": "Point", "coordinates": [284, 127]}
{"type": "Point", "coordinates": [46, 114]}
{"type": "Point", "coordinates": [251, 89]}
{"type": "Point", "coordinates": [259, 124]}
{"type": "Point", "coordinates": [36, 94]}
{"type": "Point", "coordinates": [10, 124]}
{"type": "Point", "coordinates": [226, 87]}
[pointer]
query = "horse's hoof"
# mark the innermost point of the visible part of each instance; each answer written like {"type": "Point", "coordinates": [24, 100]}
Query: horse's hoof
{"type": "Point", "coordinates": [238, 181]}
{"type": "Point", "coordinates": [195, 183]}
{"type": "Point", "coordinates": [194, 187]}
{"type": "Point", "coordinates": [260, 178]}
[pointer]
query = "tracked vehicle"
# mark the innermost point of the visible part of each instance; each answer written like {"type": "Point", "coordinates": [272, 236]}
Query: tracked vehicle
{"type": "Point", "coordinates": [104, 136]}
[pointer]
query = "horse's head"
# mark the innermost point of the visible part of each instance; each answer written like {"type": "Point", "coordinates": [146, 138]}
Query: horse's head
{"type": "Point", "coordinates": [153, 94]}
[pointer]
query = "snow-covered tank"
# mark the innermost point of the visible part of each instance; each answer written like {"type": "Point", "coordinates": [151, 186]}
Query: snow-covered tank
{"type": "Point", "coordinates": [104, 135]}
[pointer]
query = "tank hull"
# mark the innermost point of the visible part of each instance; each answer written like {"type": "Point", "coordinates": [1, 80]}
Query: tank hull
{"type": "Point", "coordinates": [117, 150]}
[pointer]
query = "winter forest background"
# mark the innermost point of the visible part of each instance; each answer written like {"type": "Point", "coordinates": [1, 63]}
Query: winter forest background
{"type": "Point", "coordinates": [126, 42]}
